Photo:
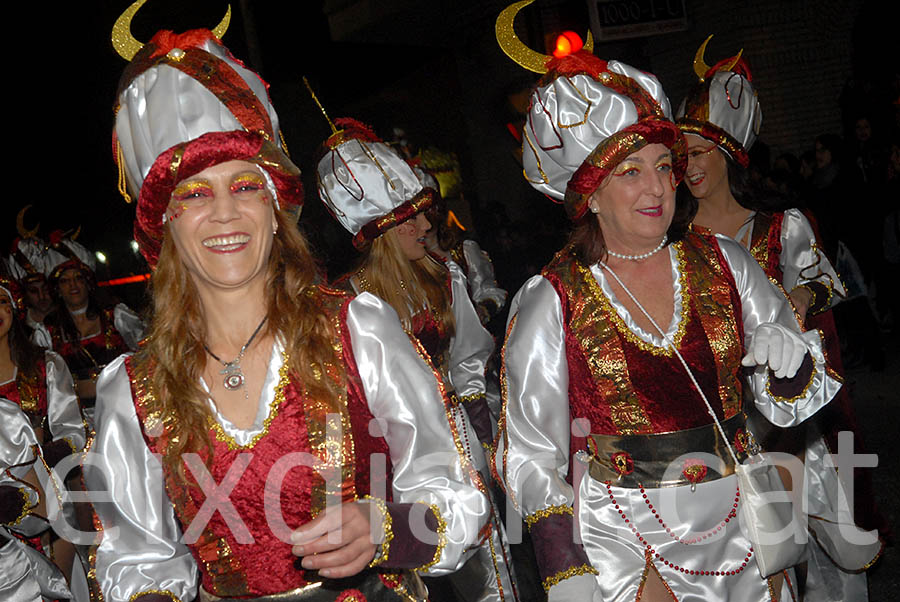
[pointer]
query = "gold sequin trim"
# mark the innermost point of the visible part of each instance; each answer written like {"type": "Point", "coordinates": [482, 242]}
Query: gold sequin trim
{"type": "Point", "coordinates": [387, 524]}
{"type": "Point", "coordinates": [584, 569]}
{"type": "Point", "coordinates": [472, 397]}
{"type": "Point", "coordinates": [543, 513]}
{"type": "Point", "coordinates": [162, 592]}
{"type": "Point", "coordinates": [442, 539]}
{"type": "Point", "coordinates": [276, 404]}
{"type": "Point", "coordinates": [801, 394]}
{"type": "Point", "coordinates": [632, 337]}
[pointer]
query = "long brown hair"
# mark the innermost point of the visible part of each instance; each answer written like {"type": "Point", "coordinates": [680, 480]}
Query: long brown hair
{"type": "Point", "coordinates": [174, 347]}
{"type": "Point", "coordinates": [407, 286]}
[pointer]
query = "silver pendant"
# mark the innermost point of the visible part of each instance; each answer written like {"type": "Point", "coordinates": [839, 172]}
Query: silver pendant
{"type": "Point", "coordinates": [234, 378]}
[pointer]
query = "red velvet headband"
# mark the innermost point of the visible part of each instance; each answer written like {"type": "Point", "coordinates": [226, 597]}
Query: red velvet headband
{"type": "Point", "coordinates": [71, 264]}
{"type": "Point", "coordinates": [612, 151]}
{"type": "Point", "coordinates": [717, 135]}
{"type": "Point", "coordinates": [16, 296]}
{"type": "Point", "coordinates": [190, 158]}
{"type": "Point", "coordinates": [378, 226]}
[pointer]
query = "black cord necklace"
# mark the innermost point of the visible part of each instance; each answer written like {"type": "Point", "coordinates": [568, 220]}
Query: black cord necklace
{"type": "Point", "coordinates": [234, 377]}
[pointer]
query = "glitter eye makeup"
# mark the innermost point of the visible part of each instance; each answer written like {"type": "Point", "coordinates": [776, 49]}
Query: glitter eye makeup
{"type": "Point", "coordinates": [248, 182]}
{"type": "Point", "coordinates": [182, 198]}
{"type": "Point", "coordinates": [626, 169]}
{"type": "Point", "coordinates": [195, 189]}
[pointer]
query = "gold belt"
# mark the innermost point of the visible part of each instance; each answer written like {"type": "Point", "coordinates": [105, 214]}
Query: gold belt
{"type": "Point", "coordinates": [686, 457]}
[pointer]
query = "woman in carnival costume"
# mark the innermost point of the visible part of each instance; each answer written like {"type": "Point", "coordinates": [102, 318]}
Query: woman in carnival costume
{"type": "Point", "coordinates": [38, 381]}
{"type": "Point", "coordinates": [380, 199]}
{"type": "Point", "coordinates": [303, 404]}
{"type": "Point", "coordinates": [601, 417]}
{"type": "Point", "coordinates": [87, 335]}
{"type": "Point", "coordinates": [720, 119]}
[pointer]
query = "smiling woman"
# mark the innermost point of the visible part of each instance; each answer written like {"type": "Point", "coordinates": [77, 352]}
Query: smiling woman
{"type": "Point", "coordinates": [271, 377]}
{"type": "Point", "coordinates": [593, 358]}
{"type": "Point", "coordinates": [222, 221]}
{"type": "Point", "coordinates": [381, 200]}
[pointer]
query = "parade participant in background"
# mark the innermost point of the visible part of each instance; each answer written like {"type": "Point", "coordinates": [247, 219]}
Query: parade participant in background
{"type": "Point", "coordinates": [249, 358]}
{"type": "Point", "coordinates": [26, 571]}
{"type": "Point", "coordinates": [448, 239]}
{"type": "Point", "coordinates": [720, 119]}
{"type": "Point", "coordinates": [381, 201]}
{"type": "Point", "coordinates": [594, 352]}
{"type": "Point", "coordinates": [84, 331]}
{"type": "Point", "coordinates": [30, 261]}
{"type": "Point", "coordinates": [38, 381]}
{"type": "Point", "coordinates": [486, 295]}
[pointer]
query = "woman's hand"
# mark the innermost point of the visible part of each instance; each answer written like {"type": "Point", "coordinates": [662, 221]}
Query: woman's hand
{"type": "Point", "coordinates": [801, 297]}
{"type": "Point", "coordinates": [774, 345]}
{"type": "Point", "coordinates": [338, 542]}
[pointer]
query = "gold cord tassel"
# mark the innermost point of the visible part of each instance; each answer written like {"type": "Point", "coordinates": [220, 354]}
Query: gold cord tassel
{"type": "Point", "coordinates": [120, 163]}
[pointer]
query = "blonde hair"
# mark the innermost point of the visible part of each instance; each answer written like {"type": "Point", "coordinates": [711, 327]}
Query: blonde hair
{"type": "Point", "coordinates": [173, 357]}
{"type": "Point", "coordinates": [407, 286]}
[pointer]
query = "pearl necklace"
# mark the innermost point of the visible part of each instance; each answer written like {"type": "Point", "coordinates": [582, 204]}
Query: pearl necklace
{"type": "Point", "coordinates": [658, 248]}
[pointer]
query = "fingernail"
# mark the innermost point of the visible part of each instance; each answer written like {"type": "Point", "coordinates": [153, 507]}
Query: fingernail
{"type": "Point", "coordinates": [325, 572]}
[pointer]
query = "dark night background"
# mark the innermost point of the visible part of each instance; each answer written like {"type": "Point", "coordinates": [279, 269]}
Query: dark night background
{"type": "Point", "coordinates": [433, 68]}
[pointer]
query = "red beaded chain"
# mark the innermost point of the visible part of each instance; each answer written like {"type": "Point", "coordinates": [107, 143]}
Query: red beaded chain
{"type": "Point", "coordinates": [697, 538]}
{"type": "Point", "coordinates": [662, 559]}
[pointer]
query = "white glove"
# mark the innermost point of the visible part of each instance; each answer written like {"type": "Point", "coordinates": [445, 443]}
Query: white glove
{"type": "Point", "coordinates": [773, 344]}
{"type": "Point", "coordinates": [580, 588]}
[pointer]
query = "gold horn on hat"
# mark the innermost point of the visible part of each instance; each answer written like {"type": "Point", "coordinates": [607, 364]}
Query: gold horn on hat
{"type": "Point", "coordinates": [20, 224]}
{"type": "Point", "coordinates": [126, 44]}
{"type": "Point", "coordinates": [513, 47]}
{"type": "Point", "coordinates": [700, 66]}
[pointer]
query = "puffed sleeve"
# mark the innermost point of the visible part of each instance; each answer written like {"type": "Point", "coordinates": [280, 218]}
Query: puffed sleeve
{"type": "Point", "coordinates": [803, 263]}
{"type": "Point", "coordinates": [141, 549]}
{"type": "Point", "coordinates": [129, 325]}
{"type": "Point", "coordinates": [63, 410]}
{"type": "Point", "coordinates": [404, 397]}
{"type": "Point", "coordinates": [470, 351]}
{"type": "Point", "coordinates": [532, 446]}
{"type": "Point", "coordinates": [784, 402]}
{"type": "Point", "coordinates": [18, 454]}
{"type": "Point", "coordinates": [483, 286]}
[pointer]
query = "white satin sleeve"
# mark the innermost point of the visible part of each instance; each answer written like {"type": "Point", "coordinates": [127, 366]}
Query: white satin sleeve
{"type": "Point", "coordinates": [18, 447]}
{"type": "Point", "coordinates": [63, 411]}
{"type": "Point", "coordinates": [129, 325]}
{"type": "Point", "coordinates": [481, 279]}
{"type": "Point", "coordinates": [532, 455]}
{"type": "Point", "coordinates": [141, 547]}
{"type": "Point", "coordinates": [404, 398]}
{"type": "Point", "coordinates": [472, 345]}
{"type": "Point", "coordinates": [762, 302]}
{"type": "Point", "coordinates": [802, 260]}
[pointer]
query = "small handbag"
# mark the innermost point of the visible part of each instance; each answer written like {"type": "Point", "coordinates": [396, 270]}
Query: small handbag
{"type": "Point", "coordinates": [769, 518]}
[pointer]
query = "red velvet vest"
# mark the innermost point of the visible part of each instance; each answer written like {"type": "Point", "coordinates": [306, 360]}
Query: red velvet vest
{"type": "Point", "coordinates": [30, 394]}
{"type": "Point", "coordinates": [87, 357]}
{"type": "Point", "coordinates": [766, 243]}
{"type": "Point", "coordinates": [625, 386]}
{"type": "Point", "coordinates": [297, 423]}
